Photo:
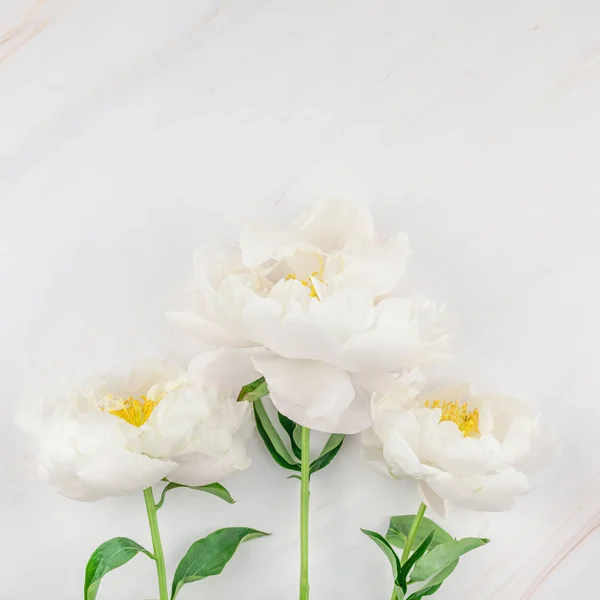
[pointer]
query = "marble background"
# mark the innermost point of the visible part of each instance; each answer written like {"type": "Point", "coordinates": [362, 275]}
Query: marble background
{"type": "Point", "coordinates": [133, 132]}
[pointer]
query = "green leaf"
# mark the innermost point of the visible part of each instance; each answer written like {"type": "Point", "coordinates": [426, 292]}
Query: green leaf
{"type": "Point", "coordinates": [435, 583]}
{"type": "Point", "coordinates": [443, 555]}
{"type": "Point", "coordinates": [254, 391]}
{"type": "Point", "coordinates": [400, 526]}
{"type": "Point", "coordinates": [291, 428]}
{"type": "Point", "coordinates": [413, 558]}
{"type": "Point", "coordinates": [386, 549]}
{"type": "Point", "coordinates": [208, 556]}
{"type": "Point", "coordinates": [272, 439]}
{"type": "Point", "coordinates": [298, 436]}
{"type": "Point", "coordinates": [216, 489]}
{"type": "Point", "coordinates": [106, 557]}
{"type": "Point", "coordinates": [329, 452]}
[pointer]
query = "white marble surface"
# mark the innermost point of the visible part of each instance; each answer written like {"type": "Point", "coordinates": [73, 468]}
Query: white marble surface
{"type": "Point", "coordinates": [132, 132]}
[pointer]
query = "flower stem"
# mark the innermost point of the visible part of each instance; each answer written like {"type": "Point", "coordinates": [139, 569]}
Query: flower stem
{"type": "Point", "coordinates": [412, 533]}
{"type": "Point", "coordinates": [159, 557]}
{"type": "Point", "coordinates": [304, 500]}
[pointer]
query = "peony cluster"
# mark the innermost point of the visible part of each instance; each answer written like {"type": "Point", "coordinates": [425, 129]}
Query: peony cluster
{"type": "Point", "coordinates": [111, 437]}
{"type": "Point", "coordinates": [313, 308]}
{"type": "Point", "coordinates": [474, 451]}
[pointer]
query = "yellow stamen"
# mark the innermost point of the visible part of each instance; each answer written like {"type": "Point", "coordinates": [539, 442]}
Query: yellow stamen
{"type": "Point", "coordinates": [135, 412]}
{"type": "Point", "coordinates": [308, 283]}
{"type": "Point", "coordinates": [466, 420]}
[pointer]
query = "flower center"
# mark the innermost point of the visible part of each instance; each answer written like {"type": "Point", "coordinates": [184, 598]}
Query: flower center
{"type": "Point", "coordinates": [135, 412]}
{"type": "Point", "coordinates": [466, 420]}
{"type": "Point", "coordinates": [315, 276]}
{"type": "Point", "coordinates": [308, 283]}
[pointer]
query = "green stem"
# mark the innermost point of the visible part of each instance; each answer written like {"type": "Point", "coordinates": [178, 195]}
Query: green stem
{"type": "Point", "coordinates": [412, 533]}
{"type": "Point", "coordinates": [159, 557]}
{"type": "Point", "coordinates": [304, 499]}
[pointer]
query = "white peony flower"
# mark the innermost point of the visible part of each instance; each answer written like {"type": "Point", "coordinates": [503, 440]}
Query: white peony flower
{"type": "Point", "coordinates": [310, 305]}
{"type": "Point", "coordinates": [474, 451]}
{"type": "Point", "coordinates": [113, 437]}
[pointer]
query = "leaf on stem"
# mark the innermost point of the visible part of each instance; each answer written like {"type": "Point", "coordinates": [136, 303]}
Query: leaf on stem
{"type": "Point", "coordinates": [272, 440]}
{"type": "Point", "coordinates": [208, 556]}
{"type": "Point", "coordinates": [413, 558]}
{"type": "Point", "coordinates": [254, 391]}
{"type": "Point", "coordinates": [385, 547]}
{"type": "Point", "coordinates": [400, 526]}
{"type": "Point", "coordinates": [291, 428]}
{"type": "Point", "coordinates": [435, 583]}
{"type": "Point", "coordinates": [443, 555]}
{"type": "Point", "coordinates": [107, 557]}
{"type": "Point", "coordinates": [329, 452]}
{"type": "Point", "coordinates": [216, 489]}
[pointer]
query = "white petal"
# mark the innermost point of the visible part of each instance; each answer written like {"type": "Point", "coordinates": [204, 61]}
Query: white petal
{"type": "Point", "coordinates": [200, 468]}
{"type": "Point", "coordinates": [432, 500]}
{"type": "Point", "coordinates": [437, 439]}
{"type": "Point", "coordinates": [100, 432]}
{"type": "Point", "coordinates": [286, 328]}
{"type": "Point", "coordinates": [262, 241]}
{"type": "Point", "coordinates": [401, 458]}
{"type": "Point", "coordinates": [311, 393]}
{"type": "Point", "coordinates": [377, 269]}
{"type": "Point", "coordinates": [403, 423]}
{"type": "Point", "coordinates": [392, 343]}
{"type": "Point", "coordinates": [375, 384]}
{"type": "Point", "coordinates": [147, 373]}
{"type": "Point", "coordinates": [123, 472]}
{"type": "Point", "coordinates": [495, 492]}
{"type": "Point", "coordinates": [544, 449]}
{"type": "Point", "coordinates": [371, 450]}
{"type": "Point", "coordinates": [517, 441]}
{"type": "Point", "coordinates": [259, 241]}
{"type": "Point", "coordinates": [335, 222]}
{"type": "Point", "coordinates": [504, 409]}
{"type": "Point", "coordinates": [227, 369]}
{"type": "Point", "coordinates": [357, 417]}
{"type": "Point", "coordinates": [206, 331]}
{"type": "Point", "coordinates": [348, 312]}
{"type": "Point", "coordinates": [172, 423]}
{"type": "Point", "coordinates": [470, 456]}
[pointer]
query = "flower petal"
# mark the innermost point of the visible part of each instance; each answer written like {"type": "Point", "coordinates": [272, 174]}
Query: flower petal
{"type": "Point", "coordinates": [377, 269]}
{"type": "Point", "coordinates": [312, 393]}
{"type": "Point", "coordinates": [402, 460]}
{"type": "Point", "coordinates": [335, 222]}
{"type": "Point", "coordinates": [202, 467]}
{"type": "Point", "coordinates": [470, 456]}
{"type": "Point", "coordinates": [495, 492]}
{"type": "Point", "coordinates": [396, 340]}
{"type": "Point", "coordinates": [260, 242]}
{"type": "Point", "coordinates": [432, 500]}
{"type": "Point", "coordinates": [228, 369]}
{"type": "Point", "coordinates": [123, 472]}
{"type": "Point", "coordinates": [206, 331]}
{"type": "Point", "coordinates": [285, 327]}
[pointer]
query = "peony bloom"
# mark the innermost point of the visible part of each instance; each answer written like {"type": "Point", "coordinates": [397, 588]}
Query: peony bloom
{"type": "Point", "coordinates": [310, 308]}
{"type": "Point", "coordinates": [112, 437]}
{"type": "Point", "coordinates": [473, 451]}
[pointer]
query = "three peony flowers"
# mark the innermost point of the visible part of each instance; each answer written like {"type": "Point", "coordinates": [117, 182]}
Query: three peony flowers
{"type": "Point", "coordinates": [308, 316]}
